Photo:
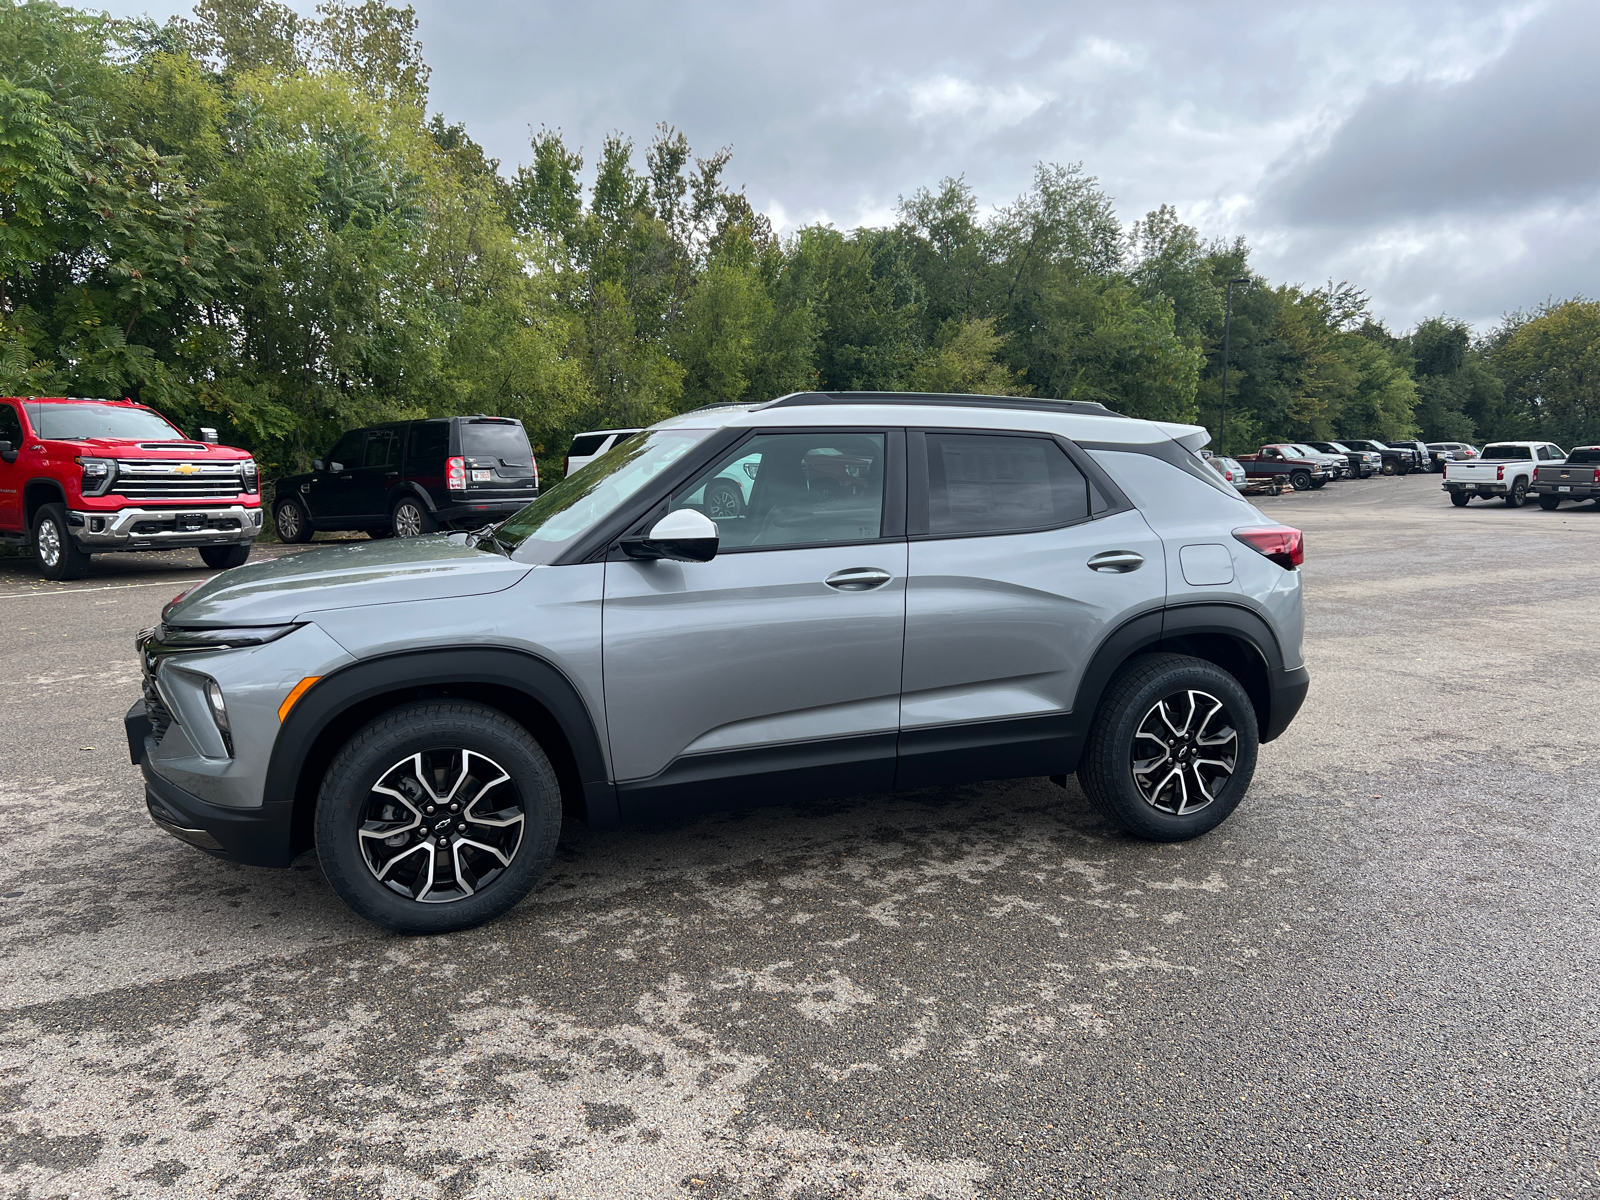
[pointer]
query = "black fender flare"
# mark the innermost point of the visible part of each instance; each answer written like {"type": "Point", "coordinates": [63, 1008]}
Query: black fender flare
{"type": "Point", "coordinates": [532, 690]}
{"type": "Point", "coordinates": [1277, 692]}
{"type": "Point", "coordinates": [409, 487]}
{"type": "Point", "coordinates": [36, 485]}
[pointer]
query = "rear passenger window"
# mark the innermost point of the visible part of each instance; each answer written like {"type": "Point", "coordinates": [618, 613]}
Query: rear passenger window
{"type": "Point", "coordinates": [380, 451]}
{"type": "Point", "coordinates": [429, 442]}
{"type": "Point", "coordinates": [991, 483]}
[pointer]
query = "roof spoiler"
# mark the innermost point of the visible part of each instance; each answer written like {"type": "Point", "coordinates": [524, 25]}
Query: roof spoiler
{"type": "Point", "coordinates": [1192, 438]}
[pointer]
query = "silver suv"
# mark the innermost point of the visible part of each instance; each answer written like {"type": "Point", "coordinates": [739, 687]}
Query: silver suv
{"type": "Point", "coordinates": [912, 591]}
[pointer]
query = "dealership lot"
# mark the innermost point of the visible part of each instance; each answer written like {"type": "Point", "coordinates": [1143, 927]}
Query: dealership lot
{"type": "Point", "coordinates": [1376, 978]}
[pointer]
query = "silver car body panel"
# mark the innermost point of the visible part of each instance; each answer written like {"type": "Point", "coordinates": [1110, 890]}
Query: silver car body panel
{"type": "Point", "coordinates": [749, 649]}
{"type": "Point", "coordinates": [1004, 625]}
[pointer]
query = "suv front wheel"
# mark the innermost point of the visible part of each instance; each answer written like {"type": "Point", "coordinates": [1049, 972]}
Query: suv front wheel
{"type": "Point", "coordinates": [437, 816]}
{"type": "Point", "coordinates": [1172, 748]}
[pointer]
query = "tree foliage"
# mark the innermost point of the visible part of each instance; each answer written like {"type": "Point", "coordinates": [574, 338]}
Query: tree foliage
{"type": "Point", "coordinates": [249, 218]}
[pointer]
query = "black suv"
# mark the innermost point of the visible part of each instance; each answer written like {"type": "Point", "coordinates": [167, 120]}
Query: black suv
{"type": "Point", "coordinates": [412, 477]}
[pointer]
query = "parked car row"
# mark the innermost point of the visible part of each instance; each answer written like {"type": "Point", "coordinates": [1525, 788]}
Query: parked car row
{"type": "Point", "coordinates": [1307, 465]}
{"type": "Point", "coordinates": [1512, 471]}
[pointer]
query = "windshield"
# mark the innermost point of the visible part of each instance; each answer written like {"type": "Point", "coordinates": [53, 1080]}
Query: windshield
{"type": "Point", "coordinates": [504, 440]}
{"type": "Point", "coordinates": [1507, 452]}
{"type": "Point", "coordinates": [80, 422]}
{"type": "Point", "coordinates": [1337, 447]}
{"type": "Point", "coordinates": [571, 508]}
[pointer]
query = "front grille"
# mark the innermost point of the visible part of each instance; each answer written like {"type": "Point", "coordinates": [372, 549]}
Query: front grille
{"type": "Point", "coordinates": [157, 480]}
{"type": "Point", "coordinates": [155, 708]}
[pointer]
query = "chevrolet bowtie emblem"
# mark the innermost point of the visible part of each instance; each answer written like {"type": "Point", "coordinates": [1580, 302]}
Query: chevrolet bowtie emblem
{"type": "Point", "coordinates": [185, 469]}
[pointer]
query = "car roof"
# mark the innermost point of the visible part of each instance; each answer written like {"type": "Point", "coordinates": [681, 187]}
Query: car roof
{"type": "Point", "coordinates": [1079, 420]}
{"type": "Point", "coordinates": [601, 432]}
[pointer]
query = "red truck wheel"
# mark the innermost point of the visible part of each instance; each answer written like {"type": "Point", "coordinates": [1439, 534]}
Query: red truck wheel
{"type": "Point", "coordinates": [58, 555]}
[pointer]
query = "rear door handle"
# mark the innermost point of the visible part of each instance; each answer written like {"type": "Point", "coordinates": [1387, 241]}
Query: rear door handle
{"type": "Point", "coordinates": [858, 579]}
{"type": "Point", "coordinates": [1119, 561]}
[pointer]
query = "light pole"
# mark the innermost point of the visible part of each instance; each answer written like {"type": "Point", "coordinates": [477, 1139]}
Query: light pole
{"type": "Point", "coordinates": [1227, 330]}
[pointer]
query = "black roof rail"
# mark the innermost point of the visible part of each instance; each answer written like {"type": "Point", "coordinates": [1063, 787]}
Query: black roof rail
{"type": "Point", "coordinates": [1082, 408]}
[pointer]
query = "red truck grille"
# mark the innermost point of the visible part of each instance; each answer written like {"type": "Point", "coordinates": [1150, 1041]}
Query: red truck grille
{"type": "Point", "coordinates": [146, 480]}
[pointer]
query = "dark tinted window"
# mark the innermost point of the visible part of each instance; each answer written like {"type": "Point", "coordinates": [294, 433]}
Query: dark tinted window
{"type": "Point", "coordinates": [503, 440]}
{"type": "Point", "coordinates": [793, 489]}
{"type": "Point", "coordinates": [1576, 458]}
{"type": "Point", "coordinates": [346, 451]}
{"type": "Point", "coordinates": [979, 483]}
{"type": "Point", "coordinates": [430, 442]}
{"type": "Point", "coordinates": [10, 426]}
{"type": "Point", "coordinates": [1507, 452]}
{"type": "Point", "coordinates": [586, 444]}
{"type": "Point", "coordinates": [382, 448]}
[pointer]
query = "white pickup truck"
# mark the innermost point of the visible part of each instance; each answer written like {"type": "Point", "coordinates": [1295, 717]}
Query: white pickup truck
{"type": "Point", "coordinates": [1504, 469]}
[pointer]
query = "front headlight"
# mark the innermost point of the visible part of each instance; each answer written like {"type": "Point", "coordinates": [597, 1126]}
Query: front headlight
{"type": "Point", "coordinates": [174, 639]}
{"type": "Point", "coordinates": [97, 474]}
{"type": "Point", "coordinates": [250, 476]}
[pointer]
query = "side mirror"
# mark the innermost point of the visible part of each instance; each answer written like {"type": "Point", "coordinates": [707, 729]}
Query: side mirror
{"type": "Point", "coordinates": [336, 467]}
{"type": "Point", "coordinates": [208, 435]}
{"type": "Point", "coordinates": [683, 536]}
{"type": "Point", "coordinates": [7, 453]}
{"type": "Point", "coordinates": [316, 465]}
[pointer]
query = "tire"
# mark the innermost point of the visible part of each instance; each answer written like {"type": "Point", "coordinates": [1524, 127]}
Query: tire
{"type": "Point", "coordinates": [411, 518]}
{"type": "Point", "coordinates": [1390, 467]}
{"type": "Point", "coordinates": [1517, 494]}
{"type": "Point", "coordinates": [1301, 481]}
{"type": "Point", "coordinates": [1318, 483]}
{"type": "Point", "coordinates": [59, 556]}
{"type": "Point", "coordinates": [1165, 691]}
{"type": "Point", "coordinates": [294, 525]}
{"type": "Point", "coordinates": [1459, 499]}
{"type": "Point", "coordinates": [723, 499]}
{"type": "Point", "coordinates": [220, 558]}
{"type": "Point", "coordinates": [495, 856]}
{"type": "Point", "coordinates": [1549, 503]}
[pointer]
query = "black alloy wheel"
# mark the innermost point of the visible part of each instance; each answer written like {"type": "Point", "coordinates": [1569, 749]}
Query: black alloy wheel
{"type": "Point", "coordinates": [1517, 494]}
{"type": "Point", "coordinates": [60, 557]}
{"type": "Point", "coordinates": [1390, 467]}
{"type": "Point", "coordinates": [1300, 481]}
{"type": "Point", "coordinates": [411, 519]}
{"type": "Point", "coordinates": [1459, 499]}
{"type": "Point", "coordinates": [437, 816]}
{"type": "Point", "coordinates": [293, 525]}
{"type": "Point", "coordinates": [1172, 749]}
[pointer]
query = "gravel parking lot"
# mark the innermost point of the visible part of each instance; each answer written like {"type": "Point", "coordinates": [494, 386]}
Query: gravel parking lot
{"type": "Point", "coordinates": [1378, 978]}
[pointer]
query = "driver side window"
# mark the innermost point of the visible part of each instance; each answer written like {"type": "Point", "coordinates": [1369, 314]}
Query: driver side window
{"type": "Point", "coordinates": [793, 489]}
{"type": "Point", "coordinates": [10, 426]}
{"type": "Point", "coordinates": [346, 451]}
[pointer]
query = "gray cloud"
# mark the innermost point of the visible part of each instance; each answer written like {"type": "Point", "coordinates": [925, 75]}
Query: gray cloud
{"type": "Point", "coordinates": [1428, 149]}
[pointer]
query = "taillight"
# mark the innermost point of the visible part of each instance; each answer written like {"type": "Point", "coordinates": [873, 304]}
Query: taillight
{"type": "Point", "coordinates": [566, 469]}
{"type": "Point", "coordinates": [1284, 546]}
{"type": "Point", "coordinates": [1499, 473]}
{"type": "Point", "coordinates": [455, 474]}
{"type": "Point", "coordinates": [535, 462]}
{"type": "Point", "coordinates": [1597, 474]}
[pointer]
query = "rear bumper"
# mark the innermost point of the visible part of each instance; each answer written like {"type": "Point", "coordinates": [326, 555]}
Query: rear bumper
{"type": "Point", "coordinates": [160, 528]}
{"type": "Point", "coordinates": [1288, 694]}
{"type": "Point", "coordinates": [257, 837]}
{"type": "Point", "coordinates": [1477, 489]}
{"type": "Point", "coordinates": [480, 510]}
{"type": "Point", "coordinates": [1567, 491]}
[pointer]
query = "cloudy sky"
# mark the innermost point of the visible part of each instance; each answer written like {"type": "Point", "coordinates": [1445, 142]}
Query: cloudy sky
{"type": "Point", "coordinates": [1441, 155]}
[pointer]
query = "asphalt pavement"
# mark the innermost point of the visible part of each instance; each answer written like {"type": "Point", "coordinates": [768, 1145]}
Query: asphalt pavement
{"type": "Point", "coordinates": [1376, 979]}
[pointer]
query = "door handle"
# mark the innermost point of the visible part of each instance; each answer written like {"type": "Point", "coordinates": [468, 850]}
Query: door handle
{"type": "Point", "coordinates": [1120, 561]}
{"type": "Point", "coordinates": [857, 579]}
{"type": "Point", "coordinates": [390, 474]}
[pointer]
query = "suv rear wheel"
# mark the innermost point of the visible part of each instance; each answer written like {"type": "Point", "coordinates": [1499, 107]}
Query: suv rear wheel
{"type": "Point", "coordinates": [1172, 748]}
{"type": "Point", "coordinates": [411, 519]}
{"type": "Point", "coordinates": [59, 556]}
{"type": "Point", "coordinates": [437, 816]}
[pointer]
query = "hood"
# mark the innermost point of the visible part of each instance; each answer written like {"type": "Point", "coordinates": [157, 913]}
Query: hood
{"type": "Point", "coordinates": [394, 571]}
{"type": "Point", "coordinates": [173, 448]}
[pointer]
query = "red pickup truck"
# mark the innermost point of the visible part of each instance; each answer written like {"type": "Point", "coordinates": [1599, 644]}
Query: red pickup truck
{"type": "Point", "coordinates": [82, 476]}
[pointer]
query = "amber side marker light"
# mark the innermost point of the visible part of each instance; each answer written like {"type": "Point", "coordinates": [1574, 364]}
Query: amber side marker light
{"type": "Point", "coordinates": [289, 701]}
{"type": "Point", "coordinates": [1283, 545]}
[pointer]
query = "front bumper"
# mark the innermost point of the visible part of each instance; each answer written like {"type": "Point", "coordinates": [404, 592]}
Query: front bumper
{"type": "Point", "coordinates": [152, 528]}
{"type": "Point", "coordinates": [258, 837]}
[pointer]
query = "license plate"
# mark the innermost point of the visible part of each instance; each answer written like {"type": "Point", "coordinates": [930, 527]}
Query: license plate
{"type": "Point", "coordinates": [482, 476]}
{"type": "Point", "coordinates": [191, 521]}
{"type": "Point", "coordinates": [1563, 488]}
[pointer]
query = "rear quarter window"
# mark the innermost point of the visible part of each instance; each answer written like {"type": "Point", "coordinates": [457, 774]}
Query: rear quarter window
{"type": "Point", "coordinates": [1168, 493]}
{"type": "Point", "coordinates": [430, 441]}
{"type": "Point", "coordinates": [586, 444]}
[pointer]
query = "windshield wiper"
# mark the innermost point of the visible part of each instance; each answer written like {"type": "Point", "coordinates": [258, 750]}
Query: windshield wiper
{"type": "Point", "coordinates": [487, 533]}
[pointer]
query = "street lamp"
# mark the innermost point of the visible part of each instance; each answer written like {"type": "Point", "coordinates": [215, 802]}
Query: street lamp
{"type": "Point", "coordinates": [1227, 329]}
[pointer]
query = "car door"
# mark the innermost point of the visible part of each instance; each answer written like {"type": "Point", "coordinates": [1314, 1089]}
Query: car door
{"type": "Point", "coordinates": [775, 667]}
{"type": "Point", "coordinates": [379, 467]}
{"type": "Point", "coordinates": [1018, 568]}
{"type": "Point", "coordinates": [10, 472]}
{"type": "Point", "coordinates": [330, 492]}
